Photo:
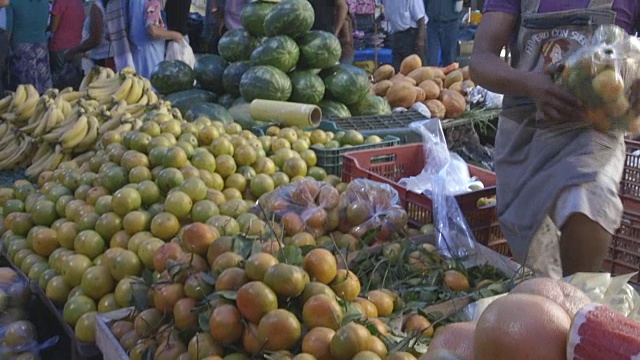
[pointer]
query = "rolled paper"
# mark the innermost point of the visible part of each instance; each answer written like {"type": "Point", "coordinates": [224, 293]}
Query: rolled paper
{"type": "Point", "coordinates": [286, 113]}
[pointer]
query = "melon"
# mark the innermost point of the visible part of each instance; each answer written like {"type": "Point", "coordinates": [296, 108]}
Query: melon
{"type": "Point", "coordinates": [232, 75]}
{"type": "Point", "coordinates": [289, 17]}
{"type": "Point", "coordinates": [280, 52]}
{"type": "Point", "coordinates": [456, 338]}
{"type": "Point", "coordinates": [564, 294]}
{"type": "Point", "coordinates": [307, 87]}
{"type": "Point", "coordinates": [531, 326]}
{"type": "Point", "coordinates": [236, 45]}
{"type": "Point", "coordinates": [318, 50]}
{"type": "Point", "coordinates": [265, 82]}
{"type": "Point", "coordinates": [252, 17]}
{"type": "Point", "coordinates": [598, 332]}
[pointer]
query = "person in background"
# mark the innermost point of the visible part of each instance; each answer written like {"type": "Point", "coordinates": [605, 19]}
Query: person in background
{"type": "Point", "coordinates": [363, 12]}
{"type": "Point", "coordinates": [67, 19]}
{"type": "Point", "coordinates": [117, 34]}
{"type": "Point", "coordinates": [148, 35]}
{"type": "Point", "coordinates": [95, 45]}
{"type": "Point", "coordinates": [345, 35]}
{"type": "Point", "coordinates": [442, 31]}
{"type": "Point", "coordinates": [177, 12]}
{"type": "Point", "coordinates": [211, 28]}
{"type": "Point", "coordinates": [556, 174]}
{"type": "Point", "coordinates": [29, 55]}
{"type": "Point", "coordinates": [407, 21]}
{"type": "Point", "coordinates": [330, 15]}
{"type": "Point", "coordinates": [229, 17]}
{"type": "Point", "coordinates": [4, 45]}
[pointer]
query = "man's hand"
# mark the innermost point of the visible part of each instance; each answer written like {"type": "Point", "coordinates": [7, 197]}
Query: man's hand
{"type": "Point", "coordinates": [555, 103]}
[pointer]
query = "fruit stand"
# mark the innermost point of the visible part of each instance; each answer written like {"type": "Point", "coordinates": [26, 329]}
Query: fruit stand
{"type": "Point", "coordinates": [158, 219]}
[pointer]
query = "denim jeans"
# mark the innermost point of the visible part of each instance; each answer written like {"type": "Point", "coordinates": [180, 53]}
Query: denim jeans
{"type": "Point", "coordinates": [404, 44]}
{"type": "Point", "coordinates": [442, 42]}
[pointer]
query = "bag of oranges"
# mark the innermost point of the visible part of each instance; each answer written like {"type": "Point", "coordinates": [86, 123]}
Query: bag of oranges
{"type": "Point", "coordinates": [601, 76]}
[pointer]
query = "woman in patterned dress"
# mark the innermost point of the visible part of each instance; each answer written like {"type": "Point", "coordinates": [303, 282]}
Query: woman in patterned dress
{"type": "Point", "coordinates": [27, 22]}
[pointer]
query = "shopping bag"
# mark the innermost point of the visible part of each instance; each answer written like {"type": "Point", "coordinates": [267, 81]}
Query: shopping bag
{"type": "Point", "coordinates": [181, 51]}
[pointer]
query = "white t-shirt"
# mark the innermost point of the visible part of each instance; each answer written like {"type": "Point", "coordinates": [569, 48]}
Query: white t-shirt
{"type": "Point", "coordinates": [403, 14]}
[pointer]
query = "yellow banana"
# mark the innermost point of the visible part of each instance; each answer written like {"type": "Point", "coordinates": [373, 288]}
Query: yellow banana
{"type": "Point", "coordinates": [26, 109]}
{"type": "Point", "coordinates": [83, 157]}
{"type": "Point", "coordinates": [91, 135]}
{"type": "Point", "coordinates": [124, 127]}
{"type": "Point", "coordinates": [10, 149]}
{"type": "Point", "coordinates": [5, 102]}
{"type": "Point", "coordinates": [37, 120]}
{"type": "Point", "coordinates": [88, 79]}
{"type": "Point", "coordinates": [109, 125]}
{"type": "Point", "coordinates": [153, 97]}
{"type": "Point", "coordinates": [128, 71]}
{"type": "Point", "coordinates": [10, 135]}
{"type": "Point", "coordinates": [16, 156]}
{"type": "Point", "coordinates": [109, 72]}
{"type": "Point", "coordinates": [4, 129]}
{"type": "Point", "coordinates": [136, 91]}
{"type": "Point", "coordinates": [52, 92]}
{"type": "Point", "coordinates": [124, 89]}
{"type": "Point", "coordinates": [74, 136]}
{"type": "Point", "coordinates": [19, 97]}
{"type": "Point", "coordinates": [102, 74]}
{"type": "Point", "coordinates": [72, 96]}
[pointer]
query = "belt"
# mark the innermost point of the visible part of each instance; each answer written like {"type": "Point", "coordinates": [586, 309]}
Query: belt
{"type": "Point", "coordinates": [407, 30]}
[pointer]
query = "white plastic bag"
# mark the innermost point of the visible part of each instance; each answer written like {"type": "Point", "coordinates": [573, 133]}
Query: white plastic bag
{"type": "Point", "coordinates": [446, 175]}
{"type": "Point", "coordinates": [181, 51]}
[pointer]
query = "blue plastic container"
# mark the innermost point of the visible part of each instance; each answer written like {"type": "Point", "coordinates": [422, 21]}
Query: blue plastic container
{"type": "Point", "coordinates": [384, 55]}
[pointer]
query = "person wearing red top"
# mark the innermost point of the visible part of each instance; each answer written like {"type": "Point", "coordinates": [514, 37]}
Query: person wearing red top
{"type": "Point", "coordinates": [558, 178]}
{"type": "Point", "coordinates": [67, 19]}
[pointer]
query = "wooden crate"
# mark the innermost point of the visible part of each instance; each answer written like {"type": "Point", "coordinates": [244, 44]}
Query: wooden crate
{"type": "Point", "coordinates": [105, 340]}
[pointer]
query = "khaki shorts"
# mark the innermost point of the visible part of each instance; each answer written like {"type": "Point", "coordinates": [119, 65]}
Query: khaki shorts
{"type": "Point", "coordinates": [595, 200]}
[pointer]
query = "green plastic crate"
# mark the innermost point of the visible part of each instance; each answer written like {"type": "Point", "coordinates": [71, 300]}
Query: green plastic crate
{"type": "Point", "coordinates": [331, 159]}
{"type": "Point", "coordinates": [324, 125]}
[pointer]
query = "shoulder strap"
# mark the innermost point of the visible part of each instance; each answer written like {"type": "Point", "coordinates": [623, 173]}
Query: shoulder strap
{"type": "Point", "coordinates": [529, 6]}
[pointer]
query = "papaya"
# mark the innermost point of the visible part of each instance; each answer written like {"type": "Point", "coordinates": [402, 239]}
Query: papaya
{"type": "Point", "coordinates": [410, 63]}
{"type": "Point", "coordinates": [384, 72]}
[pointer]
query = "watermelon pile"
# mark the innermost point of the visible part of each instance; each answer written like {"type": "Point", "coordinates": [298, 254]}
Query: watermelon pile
{"type": "Point", "coordinates": [276, 56]}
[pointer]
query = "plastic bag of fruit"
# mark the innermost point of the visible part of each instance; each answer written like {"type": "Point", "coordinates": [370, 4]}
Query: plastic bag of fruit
{"type": "Point", "coordinates": [602, 76]}
{"type": "Point", "coordinates": [371, 211]}
{"type": "Point", "coordinates": [306, 205]}
{"type": "Point", "coordinates": [18, 336]}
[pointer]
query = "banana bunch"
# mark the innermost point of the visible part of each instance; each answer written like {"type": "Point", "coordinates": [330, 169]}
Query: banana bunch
{"type": "Point", "coordinates": [16, 147]}
{"type": "Point", "coordinates": [22, 106]}
{"type": "Point", "coordinates": [47, 158]}
{"type": "Point", "coordinates": [96, 74]}
{"type": "Point", "coordinates": [125, 86]}
{"type": "Point", "coordinates": [120, 123]}
{"type": "Point", "coordinates": [76, 133]}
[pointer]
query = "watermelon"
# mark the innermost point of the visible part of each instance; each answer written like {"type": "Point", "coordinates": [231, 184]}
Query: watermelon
{"type": "Point", "coordinates": [226, 100]}
{"type": "Point", "coordinates": [184, 100]}
{"type": "Point", "coordinates": [265, 82]}
{"type": "Point", "coordinates": [280, 52]}
{"type": "Point", "coordinates": [289, 17]}
{"type": "Point", "coordinates": [236, 45]}
{"type": "Point", "coordinates": [347, 84]}
{"type": "Point", "coordinates": [371, 105]}
{"type": "Point", "coordinates": [307, 87]}
{"type": "Point", "coordinates": [334, 109]}
{"type": "Point", "coordinates": [252, 17]}
{"type": "Point", "coordinates": [211, 110]}
{"type": "Point", "coordinates": [319, 50]}
{"type": "Point", "coordinates": [232, 75]}
{"type": "Point", "coordinates": [171, 76]}
{"type": "Point", "coordinates": [208, 70]}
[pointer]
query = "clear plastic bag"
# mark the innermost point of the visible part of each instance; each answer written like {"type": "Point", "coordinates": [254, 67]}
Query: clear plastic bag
{"type": "Point", "coordinates": [181, 51]}
{"type": "Point", "coordinates": [602, 75]}
{"type": "Point", "coordinates": [616, 292]}
{"type": "Point", "coordinates": [444, 175]}
{"type": "Point", "coordinates": [306, 205]}
{"type": "Point", "coordinates": [18, 336]}
{"type": "Point", "coordinates": [369, 206]}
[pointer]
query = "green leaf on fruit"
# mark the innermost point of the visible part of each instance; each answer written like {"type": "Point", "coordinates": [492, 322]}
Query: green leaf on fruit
{"type": "Point", "coordinates": [227, 294]}
{"type": "Point", "coordinates": [291, 255]}
{"type": "Point", "coordinates": [203, 321]}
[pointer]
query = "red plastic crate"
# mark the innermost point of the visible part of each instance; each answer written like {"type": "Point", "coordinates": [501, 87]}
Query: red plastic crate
{"type": "Point", "coordinates": [630, 183]}
{"type": "Point", "coordinates": [389, 165]}
{"type": "Point", "coordinates": [624, 252]}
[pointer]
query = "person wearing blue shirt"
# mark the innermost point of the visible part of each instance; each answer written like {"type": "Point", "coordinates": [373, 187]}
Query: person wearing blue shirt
{"type": "Point", "coordinates": [442, 31]}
